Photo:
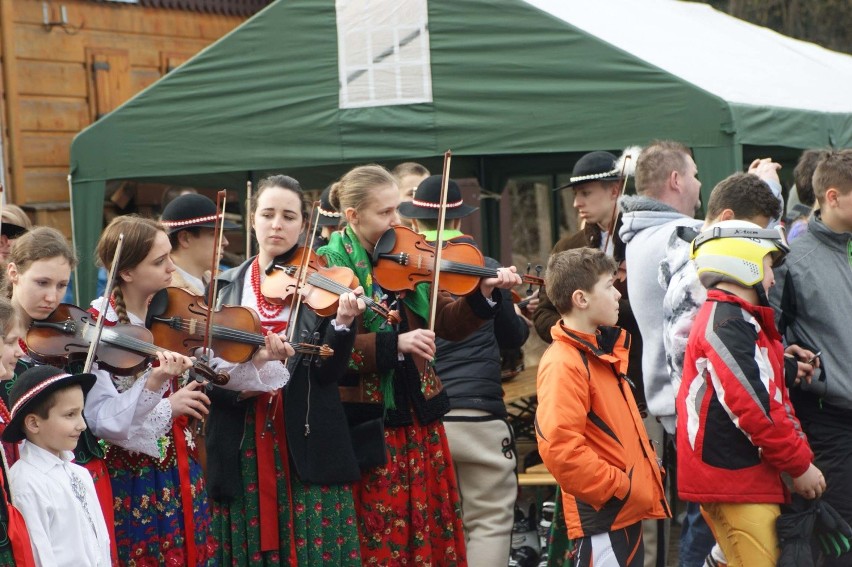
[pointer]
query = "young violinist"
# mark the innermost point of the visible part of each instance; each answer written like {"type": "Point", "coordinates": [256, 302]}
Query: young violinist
{"type": "Point", "coordinates": [258, 489]}
{"type": "Point", "coordinates": [408, 503]}
{"type": "Point", "coordinates": [481, 440]}
{"type": "Point", "coordinates": [37, 276]}
{"type": "Point", "coordinates": [161, 510]}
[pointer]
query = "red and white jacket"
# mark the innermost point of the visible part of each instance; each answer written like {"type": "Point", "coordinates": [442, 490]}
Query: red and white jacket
{"type": "Point", "coordinates": [736, 430]}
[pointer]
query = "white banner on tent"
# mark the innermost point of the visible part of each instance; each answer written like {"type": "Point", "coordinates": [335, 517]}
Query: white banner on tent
{"type": "Point", "coordinates": [383, 52]}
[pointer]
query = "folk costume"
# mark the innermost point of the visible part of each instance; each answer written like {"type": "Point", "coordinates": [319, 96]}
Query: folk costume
{"type": "Point", "coordinates": [56, 497]}
{"type": "Point", "coordinates": [407, 499]}
{"type": "Point", "coordinates": [157, 482]}
{"type": "Point", "coordinates": [280, 463]}
{"type": "Point", "coordinates": [480, 439]}
{"type": "Point", "coordinates": [109, 415]}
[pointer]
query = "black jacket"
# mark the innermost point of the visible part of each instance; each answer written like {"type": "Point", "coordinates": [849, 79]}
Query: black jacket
{"type": "Point", "coordinates": [470, 368]}
{"type": "Point", "coordinates": [325, 455]}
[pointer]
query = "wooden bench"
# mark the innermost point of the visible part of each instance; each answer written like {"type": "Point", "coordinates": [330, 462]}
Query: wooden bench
{"type": "Point", "coordinates": [537, 475]}
{"type": "Point", "coordinates": [521, 403]}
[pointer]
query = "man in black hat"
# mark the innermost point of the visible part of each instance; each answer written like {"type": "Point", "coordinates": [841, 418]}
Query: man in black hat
{"type": "Point", "coordinates": [479, 437]}
{"type": "Point", "coordinates": [189, 221]}
{"type": "Point", "coordinates": [597, 183]}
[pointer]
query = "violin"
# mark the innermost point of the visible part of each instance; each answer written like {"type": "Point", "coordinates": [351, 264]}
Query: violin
{"type": "Point", "coordinates": [516, 297]}
{"type": "Point", "coordinates": [66, 335]}
{"type": "Point", "coordinates": [403, 258]}
{"type": "Point", "coordinates": [177, 320]}
{"type": "Point", "coordinates": [323, 287]}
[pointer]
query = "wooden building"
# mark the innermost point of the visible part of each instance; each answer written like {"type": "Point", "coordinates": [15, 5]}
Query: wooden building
{"type": "Point", "coordinates": [65, 63]}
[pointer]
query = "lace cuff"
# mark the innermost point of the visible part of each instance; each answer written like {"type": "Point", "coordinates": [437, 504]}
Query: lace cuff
{"type": "Point", "coordinates": [246, 377]}
{"type": "Point", "coordinates": [156, 425]}
{"type": "Point", "coordinates": [148, 400]}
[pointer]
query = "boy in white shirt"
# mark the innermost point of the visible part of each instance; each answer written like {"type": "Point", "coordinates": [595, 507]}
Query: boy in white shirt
{"type": "Point", "coordinates": [56, 497]}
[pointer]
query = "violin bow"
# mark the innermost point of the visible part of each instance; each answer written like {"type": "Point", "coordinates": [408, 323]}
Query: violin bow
{"type": "Point", "coordinates": [218, 232]}
{"type": "Point", "coordinates": [248, 219]}
{"type": "Point", "coordinates": [295, 304]}
{"type": "Point", "coordinates": [99, 325]}
{"type": "Point", "coordinates": [296, 300]}
{"type": "Point", "coordinates": [439, 240]}
{"type": "Point", "coordinates": [625, 157]}
{"type": "Point", "coordinates": [2, 204]}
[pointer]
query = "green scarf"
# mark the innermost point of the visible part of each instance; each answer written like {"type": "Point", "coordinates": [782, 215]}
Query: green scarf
{"type": "Point", "coordinates": [344, 249]}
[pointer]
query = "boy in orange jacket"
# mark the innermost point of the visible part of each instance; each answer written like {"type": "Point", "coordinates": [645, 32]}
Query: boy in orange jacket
{"type": "Point", "coordinates": [590, 434]}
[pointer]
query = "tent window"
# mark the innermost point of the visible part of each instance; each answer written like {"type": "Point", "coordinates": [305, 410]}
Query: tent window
{"type": "Point", "coordinates": [383, 52]}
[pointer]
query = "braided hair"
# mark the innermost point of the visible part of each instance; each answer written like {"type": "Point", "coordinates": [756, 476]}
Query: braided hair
{"type": "Point", "coordinates": [139, 234]}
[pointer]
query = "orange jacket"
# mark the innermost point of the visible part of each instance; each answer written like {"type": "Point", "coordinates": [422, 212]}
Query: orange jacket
{"type": "Point", "coordinates": [591, 436]}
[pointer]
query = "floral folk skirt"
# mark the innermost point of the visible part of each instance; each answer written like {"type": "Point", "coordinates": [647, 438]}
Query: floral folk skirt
{"type": "Point", "coordinates": [325, 530]}
{"type": "Point", "coordinates": [149, 518]}
{"type": "Point", "coordinates": [409, 511]}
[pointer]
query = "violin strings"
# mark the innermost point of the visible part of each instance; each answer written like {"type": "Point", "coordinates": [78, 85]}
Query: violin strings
{"type": "Point", "coordinates": [468, 269]}
{"type": "Point", "coordinates": [238, 335]}
{"type": "Point", "coordinates": [334, 287]}
{"type": "Point", "coordinates": [130, 343]}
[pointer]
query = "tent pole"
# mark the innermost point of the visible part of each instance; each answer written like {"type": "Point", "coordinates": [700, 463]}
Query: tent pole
{"type": "Point", "coordinates": [715, 164]}
{"type": "Point", "coordinates": [74, 240]}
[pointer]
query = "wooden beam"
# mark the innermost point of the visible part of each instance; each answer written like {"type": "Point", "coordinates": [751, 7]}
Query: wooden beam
{"type": "Point", "coordinates": [10, 82]}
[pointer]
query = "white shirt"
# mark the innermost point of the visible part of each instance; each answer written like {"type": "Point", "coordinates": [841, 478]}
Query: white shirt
{"type": "Point", "coordinates": [60, 530]}
{"type": "Point", "coordinates": [119, 409]}
{"type": "Point", "coordinates": [197, 284]}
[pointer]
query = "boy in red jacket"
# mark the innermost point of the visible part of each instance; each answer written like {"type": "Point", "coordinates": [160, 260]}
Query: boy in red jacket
{"type": "Point", "coordinates": [736, 431]}
{"type": "Point", "coordinates": [590, 434]}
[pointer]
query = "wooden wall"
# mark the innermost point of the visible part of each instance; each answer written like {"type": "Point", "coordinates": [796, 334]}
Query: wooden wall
{"type": "Point", "coordinates": [55, 83]}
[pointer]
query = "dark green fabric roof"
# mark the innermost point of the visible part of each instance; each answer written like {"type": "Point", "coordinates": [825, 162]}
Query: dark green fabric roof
{"type": "Point", "coordinates": [508, 80]}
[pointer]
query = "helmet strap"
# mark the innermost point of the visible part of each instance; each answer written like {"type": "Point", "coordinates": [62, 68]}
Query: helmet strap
{"type": "Point", "coordinates": [762, 298]}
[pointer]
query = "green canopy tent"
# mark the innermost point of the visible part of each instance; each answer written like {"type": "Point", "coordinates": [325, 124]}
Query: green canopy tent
{"type": "Point", "coordinates": [310, 87]}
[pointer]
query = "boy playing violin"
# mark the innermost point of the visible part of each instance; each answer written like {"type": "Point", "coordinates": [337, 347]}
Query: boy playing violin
{"type": "Point", "coordinates": [480, 439]}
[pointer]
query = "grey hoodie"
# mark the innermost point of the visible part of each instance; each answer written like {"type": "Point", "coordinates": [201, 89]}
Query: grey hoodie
{"type": "Point", "coordinates": [813, 298]}
{"type": "Point", "coordinates": [647, 227]}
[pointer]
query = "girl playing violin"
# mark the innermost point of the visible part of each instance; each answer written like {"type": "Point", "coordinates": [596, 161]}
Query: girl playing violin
{"type": "Point", "coordinates": [259, 490]}
{"type": "Point", "coordinates": [408, 506]}
{"type": "Point", "coordinates": [37, 276]}
{"type": "Point", "coordinates": [161, 510]}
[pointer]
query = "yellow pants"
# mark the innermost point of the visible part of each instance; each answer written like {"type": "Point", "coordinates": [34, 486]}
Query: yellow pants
{"type": "Point", "coordinates": [745, 532]}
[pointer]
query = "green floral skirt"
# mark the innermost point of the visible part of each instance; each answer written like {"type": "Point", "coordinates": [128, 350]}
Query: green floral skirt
{"type": "Point", "coordinates": [325, 528]}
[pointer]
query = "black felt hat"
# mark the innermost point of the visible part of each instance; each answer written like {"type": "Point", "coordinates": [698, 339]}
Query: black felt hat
{"type": "Point", "coordinates": [12, 230]}
{"type": "Point", "coordinates": [427, 199]}
{"type": "Point", "coordinates": [192, 210]}
{"type": "Point", "coordinates": [594, 166]}
{"type": "Point", "coordinates": [328, 215]}
{"type": "Point", "coordinates": [33, 386]}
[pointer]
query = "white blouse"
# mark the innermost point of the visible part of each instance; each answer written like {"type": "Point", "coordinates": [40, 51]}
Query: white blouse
{"type": "Point", "coordinates": [124, 412]}
{"type": "Point", "coordinates": [246, 376]}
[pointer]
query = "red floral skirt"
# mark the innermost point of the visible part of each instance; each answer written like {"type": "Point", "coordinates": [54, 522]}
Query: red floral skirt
{"type": "Point", "coordinates": [409, 511]}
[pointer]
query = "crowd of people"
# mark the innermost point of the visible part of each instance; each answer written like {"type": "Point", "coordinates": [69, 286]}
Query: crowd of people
{"type": "Point", "coordinates": [306, 456]}
{"type": "Point", "coordinates": [740, 364]}
{"type": "Point", "coordinates": [390, 445]}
